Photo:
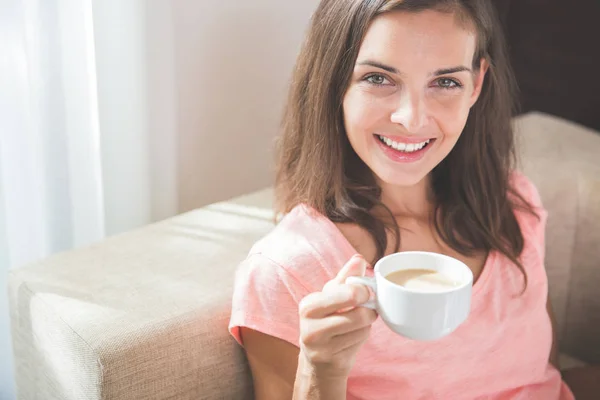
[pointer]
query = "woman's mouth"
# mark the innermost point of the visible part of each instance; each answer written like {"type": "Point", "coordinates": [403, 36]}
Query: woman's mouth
{"type": "Point", "coordinates": [402, 151]}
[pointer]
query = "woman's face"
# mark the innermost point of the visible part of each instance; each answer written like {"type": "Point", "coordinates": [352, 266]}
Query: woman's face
{"type": "Point", "coordinates": [410, 93]}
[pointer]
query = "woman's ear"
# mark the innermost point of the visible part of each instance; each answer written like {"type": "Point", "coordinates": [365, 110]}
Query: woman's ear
{"type": "Point", "coordinates": [478, 80]}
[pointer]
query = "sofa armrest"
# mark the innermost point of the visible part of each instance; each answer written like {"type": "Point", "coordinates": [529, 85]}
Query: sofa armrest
{"type": "Point", "coordinates": [139, 315]}
{"type": "Point", "coordinates": [563, 160]}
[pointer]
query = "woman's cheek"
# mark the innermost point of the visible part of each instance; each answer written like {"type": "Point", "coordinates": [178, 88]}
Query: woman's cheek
{"type": "Point", "coordinates": [360, 111]}
{"type": "Point", "coordinates": [451, 113]}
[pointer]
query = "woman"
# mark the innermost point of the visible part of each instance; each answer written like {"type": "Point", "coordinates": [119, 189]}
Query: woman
{"type": "Point", "coordinates": [397, 136]}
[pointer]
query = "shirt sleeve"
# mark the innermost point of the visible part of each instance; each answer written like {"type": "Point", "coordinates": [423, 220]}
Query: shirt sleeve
{"type": "Point", "coordinates": [265, 299]}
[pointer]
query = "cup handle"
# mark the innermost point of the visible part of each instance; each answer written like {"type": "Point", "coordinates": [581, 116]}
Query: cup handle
{"type": "Point", "coordinates": [366, 281]}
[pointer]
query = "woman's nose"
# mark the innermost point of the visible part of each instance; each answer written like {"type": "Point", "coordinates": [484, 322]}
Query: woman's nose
{"type": "Point", "coordinates": [411, 112]}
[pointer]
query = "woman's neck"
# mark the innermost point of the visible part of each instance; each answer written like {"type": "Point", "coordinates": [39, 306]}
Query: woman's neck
{"type": "Point", "coordinates": [408, 201]}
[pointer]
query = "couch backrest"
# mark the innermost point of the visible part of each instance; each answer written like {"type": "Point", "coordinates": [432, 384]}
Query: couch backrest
{"type": "Point", "coordinates": [563, 160]}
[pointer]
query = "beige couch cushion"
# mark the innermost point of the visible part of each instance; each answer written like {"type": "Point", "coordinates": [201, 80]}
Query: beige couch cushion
{"type": "Point", "coordinates": [142, 315]}
{"type": "Point", "coordinates": [563, 160]}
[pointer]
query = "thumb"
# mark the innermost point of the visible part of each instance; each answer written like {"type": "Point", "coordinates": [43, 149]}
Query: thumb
{"type": "Point", "coordinates": [356, 266]}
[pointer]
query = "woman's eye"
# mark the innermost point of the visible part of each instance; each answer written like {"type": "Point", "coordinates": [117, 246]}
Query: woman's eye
{"type": "Point", "coordinates": [377, 79]}
{"type": "Point", "coordinates": [447, 83]}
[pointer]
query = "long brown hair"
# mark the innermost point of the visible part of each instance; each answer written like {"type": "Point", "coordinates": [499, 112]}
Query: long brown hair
{"type": "Point", "coordinates": [316, 164]}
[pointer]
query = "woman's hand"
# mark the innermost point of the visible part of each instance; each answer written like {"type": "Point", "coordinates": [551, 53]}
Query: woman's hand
{"type": "Point", "coordinates": [333, 327]}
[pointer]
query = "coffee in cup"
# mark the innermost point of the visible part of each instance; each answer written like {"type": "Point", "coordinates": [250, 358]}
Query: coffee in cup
{"type": "Point", "coordinates": [420, 295]}
{"type": "Point", "coordinates": [422, 279]}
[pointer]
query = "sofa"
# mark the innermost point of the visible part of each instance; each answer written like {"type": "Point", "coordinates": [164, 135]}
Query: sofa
{"type": "Point", "coordinates": [143, 315]}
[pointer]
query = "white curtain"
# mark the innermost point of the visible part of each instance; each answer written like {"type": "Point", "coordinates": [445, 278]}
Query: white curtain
{"type": "Point", "coordinates": [51, 182]}
{"type": "Point", "coordinates": [51, 192]}
{"type": "Point", "coordinates": [74, 149]}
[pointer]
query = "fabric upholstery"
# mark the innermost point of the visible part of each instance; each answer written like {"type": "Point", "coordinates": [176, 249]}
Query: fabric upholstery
{"type": "Point", "coordinates": [562, 159]}
{"type": "Point", "coordinates": [142, 315]}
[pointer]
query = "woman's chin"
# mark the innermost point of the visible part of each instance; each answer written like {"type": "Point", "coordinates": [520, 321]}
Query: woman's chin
{"type": "Point", "coordinates": [400, 179]}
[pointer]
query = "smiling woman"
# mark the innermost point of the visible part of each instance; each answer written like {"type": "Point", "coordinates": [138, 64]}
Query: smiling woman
{"type": "Point", "coordinates": [397, 137]}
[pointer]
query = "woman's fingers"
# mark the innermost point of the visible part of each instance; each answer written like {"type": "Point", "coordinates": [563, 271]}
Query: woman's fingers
{"type": "Point", "coordinates": [338, 297]}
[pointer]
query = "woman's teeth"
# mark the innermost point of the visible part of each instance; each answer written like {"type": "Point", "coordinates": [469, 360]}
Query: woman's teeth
{"type": "Point", "coordinates": [408, 148]}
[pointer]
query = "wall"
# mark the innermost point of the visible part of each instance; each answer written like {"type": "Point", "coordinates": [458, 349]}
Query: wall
{"type": "Point", "coordinates": [232, 64]}
{"type": "Point", "coordinates": [199, 86]}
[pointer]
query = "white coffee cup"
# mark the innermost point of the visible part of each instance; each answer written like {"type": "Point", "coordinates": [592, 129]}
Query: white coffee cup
{"type": "Point", "coordinates": [414, 313]}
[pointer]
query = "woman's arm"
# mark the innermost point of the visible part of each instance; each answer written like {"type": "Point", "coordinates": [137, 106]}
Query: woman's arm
{"type": "Point", "coordinates": [332, 328]}
{"type": "Point", "coordinates": [277, 374]}
{"type": "Point", "coordinates": [273, 363]}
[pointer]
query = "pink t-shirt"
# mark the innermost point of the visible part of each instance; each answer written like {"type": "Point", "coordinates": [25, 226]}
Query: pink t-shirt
{"type": "Point", "coordinates": [500, 352]}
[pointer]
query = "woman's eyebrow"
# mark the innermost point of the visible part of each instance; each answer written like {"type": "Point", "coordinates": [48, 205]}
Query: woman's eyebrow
{"type": "Point", "coordinates": [379, 65]}
{"type": "Point", "coordinates": [392, 70]}
{"type": "Point", "coordinates": [445, 71]}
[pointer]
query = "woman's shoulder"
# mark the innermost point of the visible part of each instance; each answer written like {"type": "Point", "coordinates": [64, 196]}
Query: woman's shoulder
{"type": "Point", "coordinates": [527, 202]}
{"type": "Point", "coordinates": [290, 240]}
{"type": "Point", "coordinates": [304, 243]}
{"type": "Point", "coordinates": [527, 191]}
{"type": "Point", "coordinates": [522, 185]}
{"type": "Point", "coordinates": [531, 216]}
